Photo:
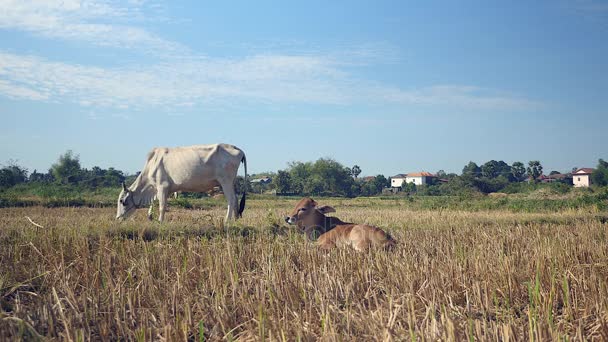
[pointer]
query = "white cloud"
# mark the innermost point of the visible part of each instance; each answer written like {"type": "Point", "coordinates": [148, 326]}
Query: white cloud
{"type": "Point", "coordinates": [15, 91]}
{"type": "Point", "coordinates": [102, 23]}
{"type": "Point", "coordinates": [462, 96]}
{"type": "Point", "coordinates": [258, 78]}
{"type": "Point", "coordinates": [265, 79]}
{"type": "Point", "coordinates": [185, 80]}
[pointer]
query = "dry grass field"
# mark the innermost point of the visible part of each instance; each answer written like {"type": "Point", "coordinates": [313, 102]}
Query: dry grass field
{"type": "Point", "coordinates": [455, 275]}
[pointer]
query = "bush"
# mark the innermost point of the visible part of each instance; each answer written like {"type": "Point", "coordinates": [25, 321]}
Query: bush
{"type": "Point", "coordinates": [488, 185]}
{"type": "Point", "coordinates": [11, 175]}
{"type": "Point", "coordinates": [428, 190]}
{"type": "Point", "coordinates": [560, 188]}
{"type": "Point", "coordinates": [519, 188]}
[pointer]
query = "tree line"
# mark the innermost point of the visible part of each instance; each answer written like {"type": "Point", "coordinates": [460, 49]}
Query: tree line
{"type": "Point", "coordinates": [491, 176]}
{"type": "Point", "coordinates": [324, 177]}
{"type": "Point", "coordinates": [66, 171]}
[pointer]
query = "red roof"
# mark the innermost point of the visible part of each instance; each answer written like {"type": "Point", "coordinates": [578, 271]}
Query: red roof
{"type": "Point", "coordinates": [420, 174]}
{"type": "Point", "coordinates": [584, 171]}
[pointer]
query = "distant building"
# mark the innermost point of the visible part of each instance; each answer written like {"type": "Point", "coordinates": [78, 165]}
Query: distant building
{"type": "Point", "coordinates": [397, 180]}
{"type": "Point", "coordinates": [418, 178]}
{"type": "Point", "coordinates": [582, 177]}
{"type": "Point", "coordinates": [558, 177]}
{"type": "Point", "coordinates": [263, 180]}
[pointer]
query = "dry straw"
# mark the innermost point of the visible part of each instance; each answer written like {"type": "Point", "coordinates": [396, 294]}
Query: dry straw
{"type": "Point", "coordinates": [456, 275]}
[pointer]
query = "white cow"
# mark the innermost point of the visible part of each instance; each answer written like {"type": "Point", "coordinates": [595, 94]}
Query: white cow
{"type": "Point", "coordinates": [193, 168]}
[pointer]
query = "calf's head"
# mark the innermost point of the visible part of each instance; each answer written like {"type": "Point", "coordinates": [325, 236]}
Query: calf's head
{"type": "Point", "coordinates": [308, 214]}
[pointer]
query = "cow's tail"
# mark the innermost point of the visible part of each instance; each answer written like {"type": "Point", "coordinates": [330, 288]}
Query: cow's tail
{"type": "Point", "coordinates": [242, 204]}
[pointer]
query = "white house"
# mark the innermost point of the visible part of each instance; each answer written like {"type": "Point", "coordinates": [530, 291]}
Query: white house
{"type": "Point", "coordinates": [582, 177]}
{"type": "Point", "coordinates": [263, 180]}
{"type": "Point", "coordinates": [418, 178]}
{"type": "Point", "coordinates": [397, 180]}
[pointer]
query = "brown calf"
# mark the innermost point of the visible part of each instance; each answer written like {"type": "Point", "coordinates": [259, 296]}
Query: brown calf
{"type": "Point", "coordinates": [333, 232]}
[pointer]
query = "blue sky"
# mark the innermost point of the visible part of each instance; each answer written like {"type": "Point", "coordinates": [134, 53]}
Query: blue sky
{"type": "Point", "coordinates": [394, 87]}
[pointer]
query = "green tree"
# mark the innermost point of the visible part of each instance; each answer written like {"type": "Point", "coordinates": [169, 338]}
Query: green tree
{"type": "Point", "coordinates": [408, 187]}
{"type": "Point", "coordinates": [113, 177]}
{"type": "Point", "coordinates": [336, 178]}
{"type": "Point", "coordinates": [98, 177]}
{"type": "Point", "coordinates": [12, 174]}
{"type": "Point", "coordinates": [299, 172]}
{"type": "Point", "coordinates": [450, 176]}
{"type": "Point", "coordinates": [356, 171]}
{"type": "Point", "coordinates": [493, 169]}
{"type": "Point", "coordinates": [600, 174]}
{"type": "Point", "coordinates": [488, 185]}
{"type": "Point", "coordinates": [471, 169]}
{"type": "Point", "coordinates": [67, 169]}
{"type": "Point", "coordinates": [518, 170]}
{"type": "Point", "coordinates": [240, 185]}
{"type": "Point", "coordinates": [380, 183]}
{"type": "Point", "coordinates": [315, 186]}
{"type": "Point", "coordinates": [36, 177]}
{"type": "Point", "coordinates": [282, 182]}
{"type": "Point", "coordinates": [368, 189]}
{"type": "Point", "coordinates": [375, 186]}
{"type": "Point", "coordinates": [534, 170]}
{"type": "Point", "coordinates": [323, 177]}
{"type": "Point", "coordinates": [459, 185]}
{"type": "Point", "coordinates": [355, 189]}
{"type": "Point", "coordinates": [490, 169]}
{"type": "Point", "coordinates": [504, 170]}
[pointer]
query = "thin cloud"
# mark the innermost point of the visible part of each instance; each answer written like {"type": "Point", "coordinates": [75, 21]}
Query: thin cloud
{"type": "Point", "coordinates": [257, 78]}
{"type": "Point", "coordinates": [264, 79]}
{"type": "Point", "coordinates": [184, 79]}
{"type": "Point", "coordinates": [100, 23]}
{"type": "Point", "coordinates": [461, 96]}
{"type": "Point", "coordinates": [15, 91]}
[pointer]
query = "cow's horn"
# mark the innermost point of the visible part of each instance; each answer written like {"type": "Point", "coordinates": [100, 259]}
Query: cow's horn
{"type": "Point", "coordinates": [124, 186]}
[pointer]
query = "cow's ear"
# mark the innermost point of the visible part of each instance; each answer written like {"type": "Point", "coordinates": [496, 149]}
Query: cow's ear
{"type": "Point", "coordinates": [124, 186]}
{"type": "Point", "coordinates": [326, 209]}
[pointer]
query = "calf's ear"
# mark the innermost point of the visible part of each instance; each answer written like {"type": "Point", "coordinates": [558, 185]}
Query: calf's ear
{"type": "Point", "coordinates": [326, 209]}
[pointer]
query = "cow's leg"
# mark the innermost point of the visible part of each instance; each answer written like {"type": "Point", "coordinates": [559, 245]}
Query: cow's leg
{"type": "Point", "coordinates": [151, 208]}
{"type": "Point", "coordinates": [230, 194]}
{"type": "Point", "coordinates": [162, 195]}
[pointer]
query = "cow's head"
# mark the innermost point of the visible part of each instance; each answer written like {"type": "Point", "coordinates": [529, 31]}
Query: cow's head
{"type": "Point", "coordinates": [126, 203]}
{"type": "Point", "coordinates": [306, 213]}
